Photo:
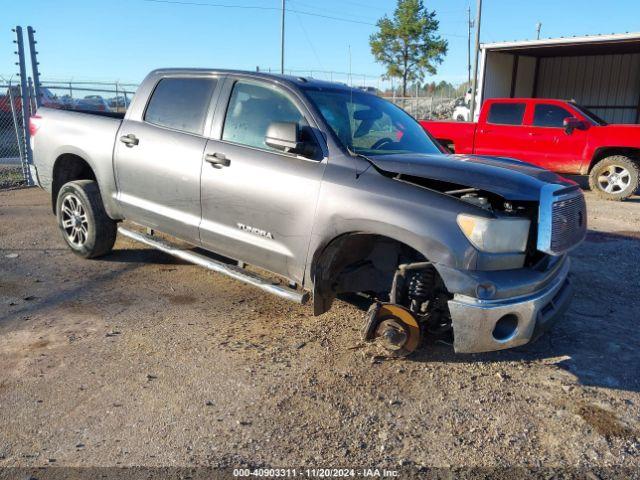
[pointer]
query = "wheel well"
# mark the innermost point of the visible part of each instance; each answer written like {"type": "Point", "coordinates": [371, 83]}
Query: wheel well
{"type": "Point", "coordinates": [68, 167]}
{"type": "Point", "coordinates": [357, 262]}
{"type": "Point", "coordinates": [604, 152]}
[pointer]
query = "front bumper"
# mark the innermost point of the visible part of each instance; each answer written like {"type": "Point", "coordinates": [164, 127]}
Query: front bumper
{"type": "Point", "coordinates": [488, 325]}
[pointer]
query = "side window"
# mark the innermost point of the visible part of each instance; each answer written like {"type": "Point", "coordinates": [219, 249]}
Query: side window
{"type": "Point", "coordinates": [252, 108]}
{"type": "Point", "coordinates": [181, 103]}
{"type": "Point", "coordinates": [506, 113]}
{"type": "Point", "coordinates": [549, 116]}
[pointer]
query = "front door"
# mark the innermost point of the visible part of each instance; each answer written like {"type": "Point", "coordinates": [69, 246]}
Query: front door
{"type": "Point", "coordinates": [556, 149]}
{"type": "Point", "coordinates": [158, 157]}
{"type": "Point", "coordinates": [258, 204]}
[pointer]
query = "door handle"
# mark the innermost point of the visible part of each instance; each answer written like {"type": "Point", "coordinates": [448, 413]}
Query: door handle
{"type": "Point", "coordinates": [130, 140]}
{"type": "Point", "coordinates": [217, 160]}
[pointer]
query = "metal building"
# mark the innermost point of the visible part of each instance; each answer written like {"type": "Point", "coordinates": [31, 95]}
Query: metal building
{"type": "Point", "coordinates": [600, 72]}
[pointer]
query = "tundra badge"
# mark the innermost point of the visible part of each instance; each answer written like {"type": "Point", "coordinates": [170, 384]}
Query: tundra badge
{"type": "Point", "coordinates": [254, 230]}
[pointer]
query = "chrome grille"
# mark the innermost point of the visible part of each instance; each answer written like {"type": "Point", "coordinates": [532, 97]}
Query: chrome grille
{"type": "Point", "coordinates": [562, 220]}
{"type": "Point", "coordinates": [568, 223]}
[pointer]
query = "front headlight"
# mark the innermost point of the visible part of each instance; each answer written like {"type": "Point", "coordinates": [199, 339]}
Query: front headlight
{"type": "Point", "coordinates": [495, 235]}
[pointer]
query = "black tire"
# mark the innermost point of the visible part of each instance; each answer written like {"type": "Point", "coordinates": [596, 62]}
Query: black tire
{"type": "Point", "coordinates": [627, 173]}
{"type": "Point", "coordinates": [87, 229]}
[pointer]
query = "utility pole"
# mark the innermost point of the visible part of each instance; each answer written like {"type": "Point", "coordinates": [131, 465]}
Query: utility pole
{"type": "Point", "coordinates": [538, 27]}
{"type": "Point", "coordinates": [474, 87]}
{"type": "Point", "coordinates": [282, 39]}
{"type": "Point", "coordinates": [470, 26]}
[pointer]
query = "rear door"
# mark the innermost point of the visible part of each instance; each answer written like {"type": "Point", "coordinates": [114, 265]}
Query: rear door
{"type": "Point", "coordinates": [260, 207]}
{"type": "Point", "coordinates": [552, 146]}
{"type": "Point", "coordinates": [501, 131]}
{"type": "Point", "coordinates": [158, 155]}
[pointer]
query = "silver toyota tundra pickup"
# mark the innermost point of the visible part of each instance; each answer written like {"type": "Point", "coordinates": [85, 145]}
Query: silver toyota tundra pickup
{"type": "Point", "coordinates": [331, 188]}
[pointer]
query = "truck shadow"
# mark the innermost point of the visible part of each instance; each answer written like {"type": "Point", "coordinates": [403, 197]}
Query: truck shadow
{"type": "Point", "coordinates": [597, 340]}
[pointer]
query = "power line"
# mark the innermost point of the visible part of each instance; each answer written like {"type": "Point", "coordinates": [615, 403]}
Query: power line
{"type": "Point", "coordinates": [306, 35]}
{"type": "Point", "coordinates": [278, 9]}
{"type": "Point", "coordinates": [255, 7]}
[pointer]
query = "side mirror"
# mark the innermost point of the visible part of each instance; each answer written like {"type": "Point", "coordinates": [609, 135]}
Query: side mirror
{"type": "Point", "coordinates": [572, 123]}
{"type": "Point", "coordinates": [284, 136]}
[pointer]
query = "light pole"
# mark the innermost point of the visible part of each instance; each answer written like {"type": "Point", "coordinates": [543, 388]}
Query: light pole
{"type": "Point", "coordinates": [475, 68]}
{"type": "Point", "coordinates": [282, 39]}
{"type": "Point", "coordinates": [470, 26]}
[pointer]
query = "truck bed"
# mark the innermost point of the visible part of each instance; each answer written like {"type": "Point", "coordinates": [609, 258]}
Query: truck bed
{"type": "Point", "coordinates": [119, 115]}
{"type": "Point", "coordinates": [448, 134]}
{"type": "Point", "coordinates": [89, 135]}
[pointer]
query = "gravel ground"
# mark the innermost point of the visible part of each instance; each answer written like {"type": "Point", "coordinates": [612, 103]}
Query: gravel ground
{"type": "Point", "coordinates": [10, 177]}
{"type": "Point", "coordinates": [138, 359]}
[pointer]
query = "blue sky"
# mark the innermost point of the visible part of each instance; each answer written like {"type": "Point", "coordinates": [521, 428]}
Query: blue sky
{"type": "Point", "coordinates": [124, 39]}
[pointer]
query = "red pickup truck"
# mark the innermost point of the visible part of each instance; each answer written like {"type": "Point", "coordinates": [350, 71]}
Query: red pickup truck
{"type": "Point", "coordinates": [554, 134]}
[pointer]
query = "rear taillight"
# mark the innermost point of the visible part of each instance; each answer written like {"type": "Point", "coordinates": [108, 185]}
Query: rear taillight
{"type": "Point", "coordinates": [34, 124]}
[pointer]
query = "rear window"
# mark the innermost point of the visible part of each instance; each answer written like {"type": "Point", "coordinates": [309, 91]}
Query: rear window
{"type": "Point", "coordinates": [506, 113]}
{"type": "Point", "coordinates": [546, 115]}
{"type": "Point", "coordinates": [181, 103]}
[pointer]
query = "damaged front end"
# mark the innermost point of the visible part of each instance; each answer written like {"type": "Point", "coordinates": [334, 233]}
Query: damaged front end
{"type": "Point", "coordinates": [528, 219]}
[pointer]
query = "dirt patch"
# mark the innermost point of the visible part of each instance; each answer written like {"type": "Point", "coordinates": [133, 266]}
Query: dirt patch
{"type": "Point", "coordinates": [605, 422]}
{"type": "Point", "coordinates": [204, 371]}
{"type": "Point", "coordinates": [182, 299]}
{"type": "Point", "coordinates": [39, 344]}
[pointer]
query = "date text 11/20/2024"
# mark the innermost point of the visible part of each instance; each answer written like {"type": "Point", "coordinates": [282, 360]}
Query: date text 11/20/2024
{"type": "Point", "coordinates": [315, 472]}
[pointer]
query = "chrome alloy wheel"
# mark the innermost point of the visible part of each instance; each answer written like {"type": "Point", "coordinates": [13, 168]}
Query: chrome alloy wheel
{"type": "Point", "coordinates": [614, 179]}
{"type": "Point", "coordinates": [74, 220]}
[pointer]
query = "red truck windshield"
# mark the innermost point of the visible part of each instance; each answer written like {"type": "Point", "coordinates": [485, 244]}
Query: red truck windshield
{"type": "Point", "coordinates": [589, 114]}
{"type": "Point", "coordinates": [368, 125]}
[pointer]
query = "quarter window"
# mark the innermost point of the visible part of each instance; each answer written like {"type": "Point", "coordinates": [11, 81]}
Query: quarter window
{"type": "Point", "coordinates": [506, 113]}
{"type": "Point", "coordinates": [181, 103]}
{"type": "Point", "coordinates": [252, 108]}
{"type": "Point", "coordinates": [549, 116]}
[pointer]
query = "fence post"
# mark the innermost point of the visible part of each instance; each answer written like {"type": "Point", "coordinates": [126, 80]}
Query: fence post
{"type": "Point", "coordinates": [26, 103]}
{"type": "Point", "coordinates": [34, 66]}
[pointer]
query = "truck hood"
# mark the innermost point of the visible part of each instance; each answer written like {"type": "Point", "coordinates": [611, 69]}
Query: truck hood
{"type": "Point", "coordinates": [511, 179]}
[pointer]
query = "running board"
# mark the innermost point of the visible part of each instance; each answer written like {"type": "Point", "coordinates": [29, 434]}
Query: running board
{"type": "Point", "coordinates": [232, 271]}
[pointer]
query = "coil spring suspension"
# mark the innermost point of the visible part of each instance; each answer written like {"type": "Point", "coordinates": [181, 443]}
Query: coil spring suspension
{"type": "Point", "coordinates": [420, 289]}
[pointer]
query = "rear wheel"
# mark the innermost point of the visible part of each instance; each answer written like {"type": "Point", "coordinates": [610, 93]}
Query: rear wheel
{"type": "Point", "coordinates": [615, 178]}
{"type": "Point", "coordinates": [83, 221]}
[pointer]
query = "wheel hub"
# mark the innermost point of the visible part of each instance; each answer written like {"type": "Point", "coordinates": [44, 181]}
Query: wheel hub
{"type": "Point", "coordinates": [394, 327]}
{"type": "Point", "coordinates": [614, 179]}
{"type": "Point", "coordinates": [392, 334]}
{"type": "Point", "coordinates": [74, 220]}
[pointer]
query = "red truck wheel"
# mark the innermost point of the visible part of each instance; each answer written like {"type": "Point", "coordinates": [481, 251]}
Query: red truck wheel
{"type": "Point", "coordinates": [615, 178]}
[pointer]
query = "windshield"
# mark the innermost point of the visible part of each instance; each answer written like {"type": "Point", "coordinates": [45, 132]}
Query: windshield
{"type": "Point", "coordinates": [589, 114]}
{"type": "Point", "coordinates": [368, 125]}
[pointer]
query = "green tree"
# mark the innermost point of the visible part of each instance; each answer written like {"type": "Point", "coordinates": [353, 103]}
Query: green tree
{"type": "Point", "coordinates": [408, 44]}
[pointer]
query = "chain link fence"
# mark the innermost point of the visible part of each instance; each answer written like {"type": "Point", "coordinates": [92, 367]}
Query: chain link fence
{"type": "Point", "coordinates": [13, 161]}
{"type": "Point", "coordinates": [430, 101]}
{"type": "Point", "coordinates": [68, 95]}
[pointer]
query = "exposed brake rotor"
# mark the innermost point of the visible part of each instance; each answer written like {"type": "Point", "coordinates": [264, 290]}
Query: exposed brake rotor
{"type": "Point", "coordinates": [394, 327]}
